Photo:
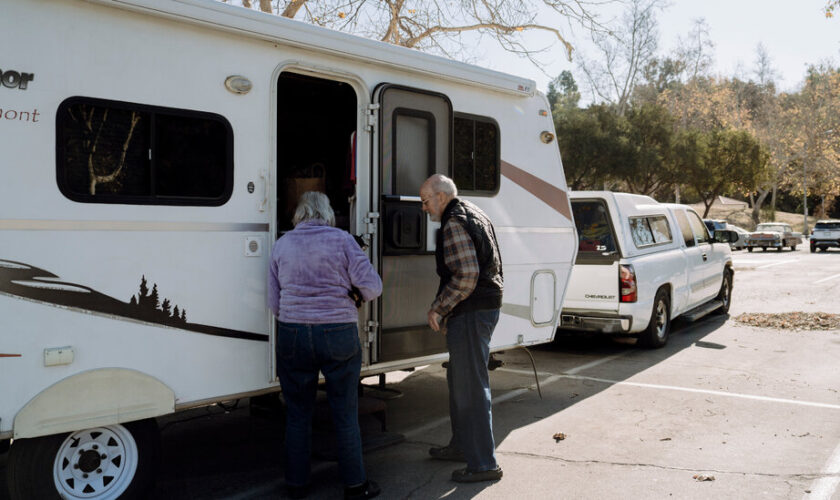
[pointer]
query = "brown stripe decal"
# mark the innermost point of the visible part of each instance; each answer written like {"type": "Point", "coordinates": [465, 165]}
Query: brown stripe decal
{"type": "Point", "coordinates": [9, 355]}
{"type": "Point", "coordinates": [553, 196]}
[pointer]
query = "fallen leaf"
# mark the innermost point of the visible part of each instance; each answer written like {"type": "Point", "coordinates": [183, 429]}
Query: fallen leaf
{"type": "Point", "coordinates": [559, 437]}
{"type": "Point", "coordinates": [703, 477]}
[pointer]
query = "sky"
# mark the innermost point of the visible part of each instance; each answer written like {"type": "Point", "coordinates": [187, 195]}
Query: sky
{"type": "Point", "coordinates": [794, 34]}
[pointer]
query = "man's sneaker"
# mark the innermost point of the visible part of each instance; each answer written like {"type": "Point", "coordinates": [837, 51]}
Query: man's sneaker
{"type": "Point", "coordinates": [367, 490]}
{"type": "Point", "coordinates": [467, 476]}
{"type": "Point", "coordinates": [448, 452]}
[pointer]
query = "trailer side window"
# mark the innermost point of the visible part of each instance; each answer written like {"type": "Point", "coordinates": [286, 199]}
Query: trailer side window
{"type": "Point", "coordinates": [476, 167]}
{"type": "Point", "coordinates": [117, 152]}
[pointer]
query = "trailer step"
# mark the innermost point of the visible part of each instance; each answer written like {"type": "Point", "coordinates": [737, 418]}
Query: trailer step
{"type": "Point", "coordinates": [702, 310]}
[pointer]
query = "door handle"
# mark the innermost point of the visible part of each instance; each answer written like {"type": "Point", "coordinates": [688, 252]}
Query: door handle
{"type": "Point", "coordinates": [264, 202]}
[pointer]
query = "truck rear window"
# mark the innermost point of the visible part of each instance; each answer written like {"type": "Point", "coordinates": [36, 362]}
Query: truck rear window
{"type": "Point", "coordinates": [828, 226]}
{"type": "Point", "coordinates": [595, 233]}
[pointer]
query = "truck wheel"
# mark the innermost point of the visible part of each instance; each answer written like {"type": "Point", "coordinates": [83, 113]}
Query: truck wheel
{"type": "Point", "coordinates": [763, 249]}
{"type": "Point", "coordinates": [793, 248]}
{"type": "Point", "coordinates": [113, 461]}
{"type": "Point", "coordinates": [4, 446]}
{"type": "Point", "coordinates": [813, 248]}
{"type": "Point", "coordinates": [725, 293]}
{"type": "Point", "coordinates": [749, 249]}
{"type": "Point", "coordinates": [656, 334]}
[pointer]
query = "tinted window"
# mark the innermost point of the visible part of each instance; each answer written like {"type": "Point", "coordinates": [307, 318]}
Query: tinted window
{"type": "Point", "coordinates": [685, 228]}
{"type": "Point", "coordinates": [116, 152]}
{"type": "Point", "coordinates": [827, 225]}
{"type": "Point", "coordinates": [594, 230]}
{"type": "Point", "coordinates": [476, 167]}
{"type": "Point", "coordinates": [700, 232]}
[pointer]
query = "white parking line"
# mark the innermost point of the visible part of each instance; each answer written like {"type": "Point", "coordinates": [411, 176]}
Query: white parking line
{"type": "Point", "coordinates": [788, 261]}
{"type": "Point", "coordinates": [824, 487]}
{"type": "Point", "coordinates": [707, 391]}
{"type": "Point", "coordinates": [518, 392]}
{"type": "Point", "coordinates": [835, 276]}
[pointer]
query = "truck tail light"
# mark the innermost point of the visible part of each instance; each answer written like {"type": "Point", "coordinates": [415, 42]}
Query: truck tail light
{"type": "Point", "coordinates": [627, 283]}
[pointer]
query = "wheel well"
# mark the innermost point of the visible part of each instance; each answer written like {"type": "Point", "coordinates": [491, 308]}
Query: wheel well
{"type": "Point", "coordinates": [94, 398]}
{"type": "Point", "coordinates": [670, 291]}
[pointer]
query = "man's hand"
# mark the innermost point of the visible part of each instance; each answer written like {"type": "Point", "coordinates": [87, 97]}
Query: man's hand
{"type": "Point", "coordinates": [434, 320]}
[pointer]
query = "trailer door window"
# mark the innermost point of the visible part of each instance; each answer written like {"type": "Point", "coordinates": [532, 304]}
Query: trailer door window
{"type": "Point", "coordinates": [116, 152]}
{"type": "Point", "coordinates": [476, 153]}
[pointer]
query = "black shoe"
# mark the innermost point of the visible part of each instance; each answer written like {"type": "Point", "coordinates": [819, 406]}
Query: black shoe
{"type": "Point", "coordinates": [367, 490]}
{"type": "Point", "coordinates": [448, 452]}
{"type": "Point", "coordinates": [297, 491]}
{"type": "Point", "coordinates": [467, 476]}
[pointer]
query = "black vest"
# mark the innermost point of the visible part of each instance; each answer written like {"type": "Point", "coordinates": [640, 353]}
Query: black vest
{"type": "Point", "coordinates": [488, 290]}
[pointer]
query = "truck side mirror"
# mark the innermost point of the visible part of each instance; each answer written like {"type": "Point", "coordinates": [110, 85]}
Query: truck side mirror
{"type": "Point", "coordinates": [725, 236]}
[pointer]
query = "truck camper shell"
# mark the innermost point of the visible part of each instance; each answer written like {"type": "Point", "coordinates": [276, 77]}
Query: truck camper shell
{"type": "Point", "coordinates": [153, 152]}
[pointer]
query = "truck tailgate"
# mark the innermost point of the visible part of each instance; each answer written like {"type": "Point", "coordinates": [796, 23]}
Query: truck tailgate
{"type": "Point", "coordinates": [593, 288]}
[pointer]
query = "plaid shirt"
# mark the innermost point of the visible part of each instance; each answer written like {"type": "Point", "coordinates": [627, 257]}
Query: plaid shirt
{"type": "Point", "coordinates": [460, 257]}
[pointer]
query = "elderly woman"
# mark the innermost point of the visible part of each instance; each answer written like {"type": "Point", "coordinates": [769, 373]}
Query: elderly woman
{"type": "Point", "coordinates": [313, 269]}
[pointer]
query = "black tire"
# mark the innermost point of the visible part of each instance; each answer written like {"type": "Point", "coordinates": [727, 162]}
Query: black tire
{"type": "Point", "coordinates": [32, 463]}
{"type": "Point", "coordinates": [813, 248]}
{"type": "Point", "coordinates": [725, 293]}
{"type": "Point", "coordinates": [750, 249]}
{"type": "Point", "coordinates": [4, 446]}
{"type": "Point", "coordinates": [763, 249]}
{"type": "Point", "coordinates": [659, 327]}
{"type": "Point", "coordinates": [793, 248]}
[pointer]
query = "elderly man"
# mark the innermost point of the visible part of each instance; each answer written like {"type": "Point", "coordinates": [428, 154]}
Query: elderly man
{"type": "Point", "coordinates": [466, 310]}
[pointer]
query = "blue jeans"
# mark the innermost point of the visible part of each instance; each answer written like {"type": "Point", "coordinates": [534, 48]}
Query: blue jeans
{"type": "Point", "coordinates": [334, 349]}
{"type": "Point", "coordinates": [468, 341]}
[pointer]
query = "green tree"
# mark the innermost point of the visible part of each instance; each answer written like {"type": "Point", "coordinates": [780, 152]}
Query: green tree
{"type": "Point", "coordinates": [649, 133]}
{"type": "Point", "coordinates": [592, 143]}
{"type": "Point", "coordinates": [723, 161]}
{"type": "Point", "coordinates": [563, 92]}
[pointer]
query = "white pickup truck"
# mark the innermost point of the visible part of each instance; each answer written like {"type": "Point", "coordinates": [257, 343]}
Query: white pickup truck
{"type": "Point", "coordinates": [826, 234]}
{"type": "Point", "coordinates": [641, 264]}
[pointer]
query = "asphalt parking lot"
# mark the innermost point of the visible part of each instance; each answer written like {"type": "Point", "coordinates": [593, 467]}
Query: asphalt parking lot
{"type": "Point", "coordinates": [756, 409]}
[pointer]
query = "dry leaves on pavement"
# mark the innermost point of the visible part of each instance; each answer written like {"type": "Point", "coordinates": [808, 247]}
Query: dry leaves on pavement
{"type": "Point", "coordinates": [792, 320]}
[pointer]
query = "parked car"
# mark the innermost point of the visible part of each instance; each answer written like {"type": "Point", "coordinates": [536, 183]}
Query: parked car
{"type": "Point", "coordinates": [773, 235]}
{"type": "Point", "coordinates": [641, 264]}
{"type": "Point", "coordinates": [743, 234]}
{"type": "Point", "coordinates": [714, 224]}
{"type": "Point", "coordinates": [826, 234]}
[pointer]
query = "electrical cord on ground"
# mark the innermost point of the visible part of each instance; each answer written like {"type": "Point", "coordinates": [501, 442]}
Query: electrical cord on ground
{"type": "Point", "coordinates": [534, 366]}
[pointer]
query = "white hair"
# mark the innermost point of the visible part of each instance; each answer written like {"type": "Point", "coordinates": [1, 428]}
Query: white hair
{"type": "Point", "coordinates": [314, 205]}
{"type": "Point", "coordinates": [443, 184]}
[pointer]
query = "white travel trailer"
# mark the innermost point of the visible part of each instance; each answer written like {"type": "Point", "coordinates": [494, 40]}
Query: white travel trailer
{"type": "Point", "coordinates": [152, 152]}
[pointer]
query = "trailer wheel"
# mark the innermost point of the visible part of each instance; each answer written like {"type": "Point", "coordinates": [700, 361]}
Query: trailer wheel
{"type": "Point", "coordinates": [656, 334]}
{"type": "Point", "coordinates": [725, 293]}
{"type": "Point", "coordinates": [114, 461]}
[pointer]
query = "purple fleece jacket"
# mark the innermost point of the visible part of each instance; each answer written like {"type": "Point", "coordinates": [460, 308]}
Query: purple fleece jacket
{"type": "Point", "coordinates": [312, 268]}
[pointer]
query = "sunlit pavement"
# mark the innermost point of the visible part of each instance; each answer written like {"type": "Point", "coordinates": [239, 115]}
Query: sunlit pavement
{"type": "Point", "coordinates": [756, 409]}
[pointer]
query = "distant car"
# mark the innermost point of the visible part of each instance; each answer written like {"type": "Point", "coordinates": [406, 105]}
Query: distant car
{"type": "Point", "coordinates": [743, 234]}
{"type": "Point", "coordinates": [826, 234]}
{"type": "Point", "coordinates": [773, 235]}
{"type": "Point", "coordinates": [713, 225]}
